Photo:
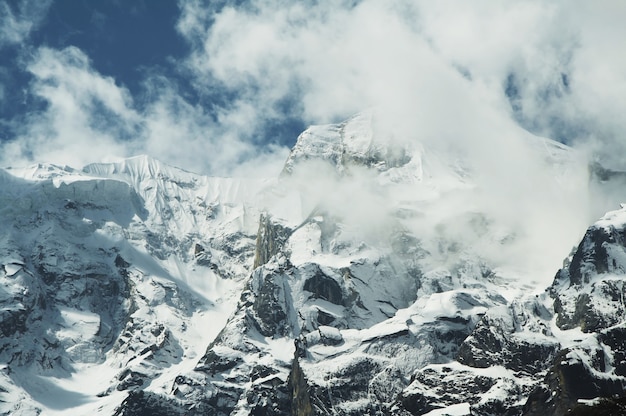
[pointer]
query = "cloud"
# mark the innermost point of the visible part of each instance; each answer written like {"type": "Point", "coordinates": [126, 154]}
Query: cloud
{"type": "Point", "coordinates": [319, 53]}
{"type": "Point", "coordinates": [468, 80]}
{"type": "Point", "coordinates": [17, 22]}
{"type": "Point", "coordinates": [558, 63]}
{"type": "Point", "coordinates": [556, 67]}
{"type": "Point", "coordinates": [454, 75]}
{"type": "Point", "coordinates": [335, 59]}
{"type": "Point", "coordinates": [477, 80]}
{"type": "Point", "coordinates": [86, 117]}
{"type": "Point", "coordinates": [187, 135]}
{"type": "Point", "coordinates": [338, 59]}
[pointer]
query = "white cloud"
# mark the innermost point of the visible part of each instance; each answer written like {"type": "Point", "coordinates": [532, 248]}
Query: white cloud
{"type": "Point", "coordinates": [18, 21]}
{"type": "Point", "coordinates": [563, 59]}
{"type": "Point", "coordinates": [185, 135]}
{"type": "Point", "coordinates": [65, 132]}
{"type": "Point", "coordinates": [89, 118]}
{"type": "Point", "coordinates": [437, 72]}
{"type": "Point", "coordinates": [85, 112]}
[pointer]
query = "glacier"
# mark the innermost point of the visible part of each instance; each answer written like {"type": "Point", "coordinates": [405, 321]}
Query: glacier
{"type": "Point", "coordinates": [375, 275]}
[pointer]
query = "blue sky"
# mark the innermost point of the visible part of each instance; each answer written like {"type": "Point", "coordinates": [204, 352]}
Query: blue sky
{"type": "Point", "coordinates": [121, 41]}
{"type": "Point", "coordinates": [225, 87]}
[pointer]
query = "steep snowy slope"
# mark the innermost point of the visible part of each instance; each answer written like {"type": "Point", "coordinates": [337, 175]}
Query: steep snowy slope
{"type": "Point", "coordinates": [113, 277]}
{"type": "Point", "coordinates": [377, 275]}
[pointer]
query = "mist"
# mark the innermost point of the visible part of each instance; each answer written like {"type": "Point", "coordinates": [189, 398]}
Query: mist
{"type": "Point", "coordinates": [489, 198]}
{"type": "Point", "coordinates": [477, 88]}
{"type": "Point", "coordinates": [469, 90]}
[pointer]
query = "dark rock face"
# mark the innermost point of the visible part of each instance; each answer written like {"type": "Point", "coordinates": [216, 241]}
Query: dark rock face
{"type": "Point", "coordinates": [371, 331]}
{"type": "Point", "coordinates": [591, 256]}
{"type": "Point", "coordinates": [569, 380]}
{"type": "Point", "coordinates": [597, 255]}
{"type": "Point", "coordinates": [483, 347]}
{"type": "Point", "coordinates": [494, 342]}
{"type": "Point", "coordinates": [612, 406]}
{"type": "Point", "coordinates": [588, 295]}
{"type": "Point", "coordinates": [213, 363]}
{"type": "Point", "coordinates": [271, 398]}
{"type": "Point", "coordinates": [299, 391]}
{"type": "Point", "coordinates": [141, 403]}
{"type": "Point", "coordinates": [269, 310]}
{"type": "Point", "coordinates": [615, 339]}
{"type": "Point", "coordinates": [350, 384]}
{"type": "Point", "coordinates": [583, 309]}
{"type": "Point", "coordinates": [237, 372]}
{"type": "Point", "coordinates": [12, 322]}
{"type": "Point", "coordinates": [203, 257]}
{"type": "Point", "coordinates": [270, 240]}
{"type": "Point", "coordinates": [47, 291]}
{"type": "Point", "coordinates": [438, 386]}
{"type": "Point", "coordinates": [324, 287]}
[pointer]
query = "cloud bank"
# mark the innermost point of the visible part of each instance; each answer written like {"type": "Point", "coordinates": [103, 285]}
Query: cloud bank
{"type": "Point", "coordinates": [87, 116]}
{"type": "Point", "coordinates": [553, 67]}
{"type": "Point", "coordinates": [453, 74]}
{"type": "Point", "coordinates": [476, 81]}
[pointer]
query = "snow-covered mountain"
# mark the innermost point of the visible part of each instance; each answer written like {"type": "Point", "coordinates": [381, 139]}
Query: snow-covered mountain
{"type": "Point", "coordinates": [376, 275]}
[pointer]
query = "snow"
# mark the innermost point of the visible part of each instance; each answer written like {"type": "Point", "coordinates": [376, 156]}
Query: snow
{"type": "Point", "coordinates": [188, 241]}
{"type": "Point", "coordinates": [461, 409]}
{"type": "Point", "coordinates": [112, 208]}
{"type": "Point", "coordinates": [194, 332]}
{"type": "Point", "coordinates": [280, 349]}
{"type": "Point", "coordinates": [382, 330]}
{"type": "Point", "coordinates": [451, 303]}
{"type": "Point", "coordinates": [40, 171]}
{"type": "Point", "coordinates": [357, 134]}
{"type": "Point", "coordinates": [590, 402]}
{"type": "Point", "coordinates": [305, 244]}
{"type": "Point", "coordinates": [78, 323]}
{"type": "Point", "coordinates": [12, 268]}
{"type": "Point", "coordinates": [616, 218]}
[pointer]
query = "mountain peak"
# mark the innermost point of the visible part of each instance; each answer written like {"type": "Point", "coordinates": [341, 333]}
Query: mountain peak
{"type": "Point", "coordinates": [350, 143]}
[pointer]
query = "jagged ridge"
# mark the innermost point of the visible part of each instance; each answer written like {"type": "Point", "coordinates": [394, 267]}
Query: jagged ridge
{"type": "Point", "coordinates": [180, 293]}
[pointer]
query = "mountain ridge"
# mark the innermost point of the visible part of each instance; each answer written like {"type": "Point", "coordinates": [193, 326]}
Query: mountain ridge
{"type": "Point", "coordinates": [367, 279]}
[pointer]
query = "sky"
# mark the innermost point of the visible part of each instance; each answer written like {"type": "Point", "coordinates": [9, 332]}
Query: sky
{"type": "Point", "coordinates": [224, 87]}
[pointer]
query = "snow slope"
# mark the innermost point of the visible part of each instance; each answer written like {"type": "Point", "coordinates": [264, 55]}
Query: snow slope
{"type": "Point", "coordinates": [117, 274]}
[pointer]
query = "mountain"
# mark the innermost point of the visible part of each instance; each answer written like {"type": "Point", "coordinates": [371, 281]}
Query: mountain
{"type": "Point", "coordinates": [376, 275]}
